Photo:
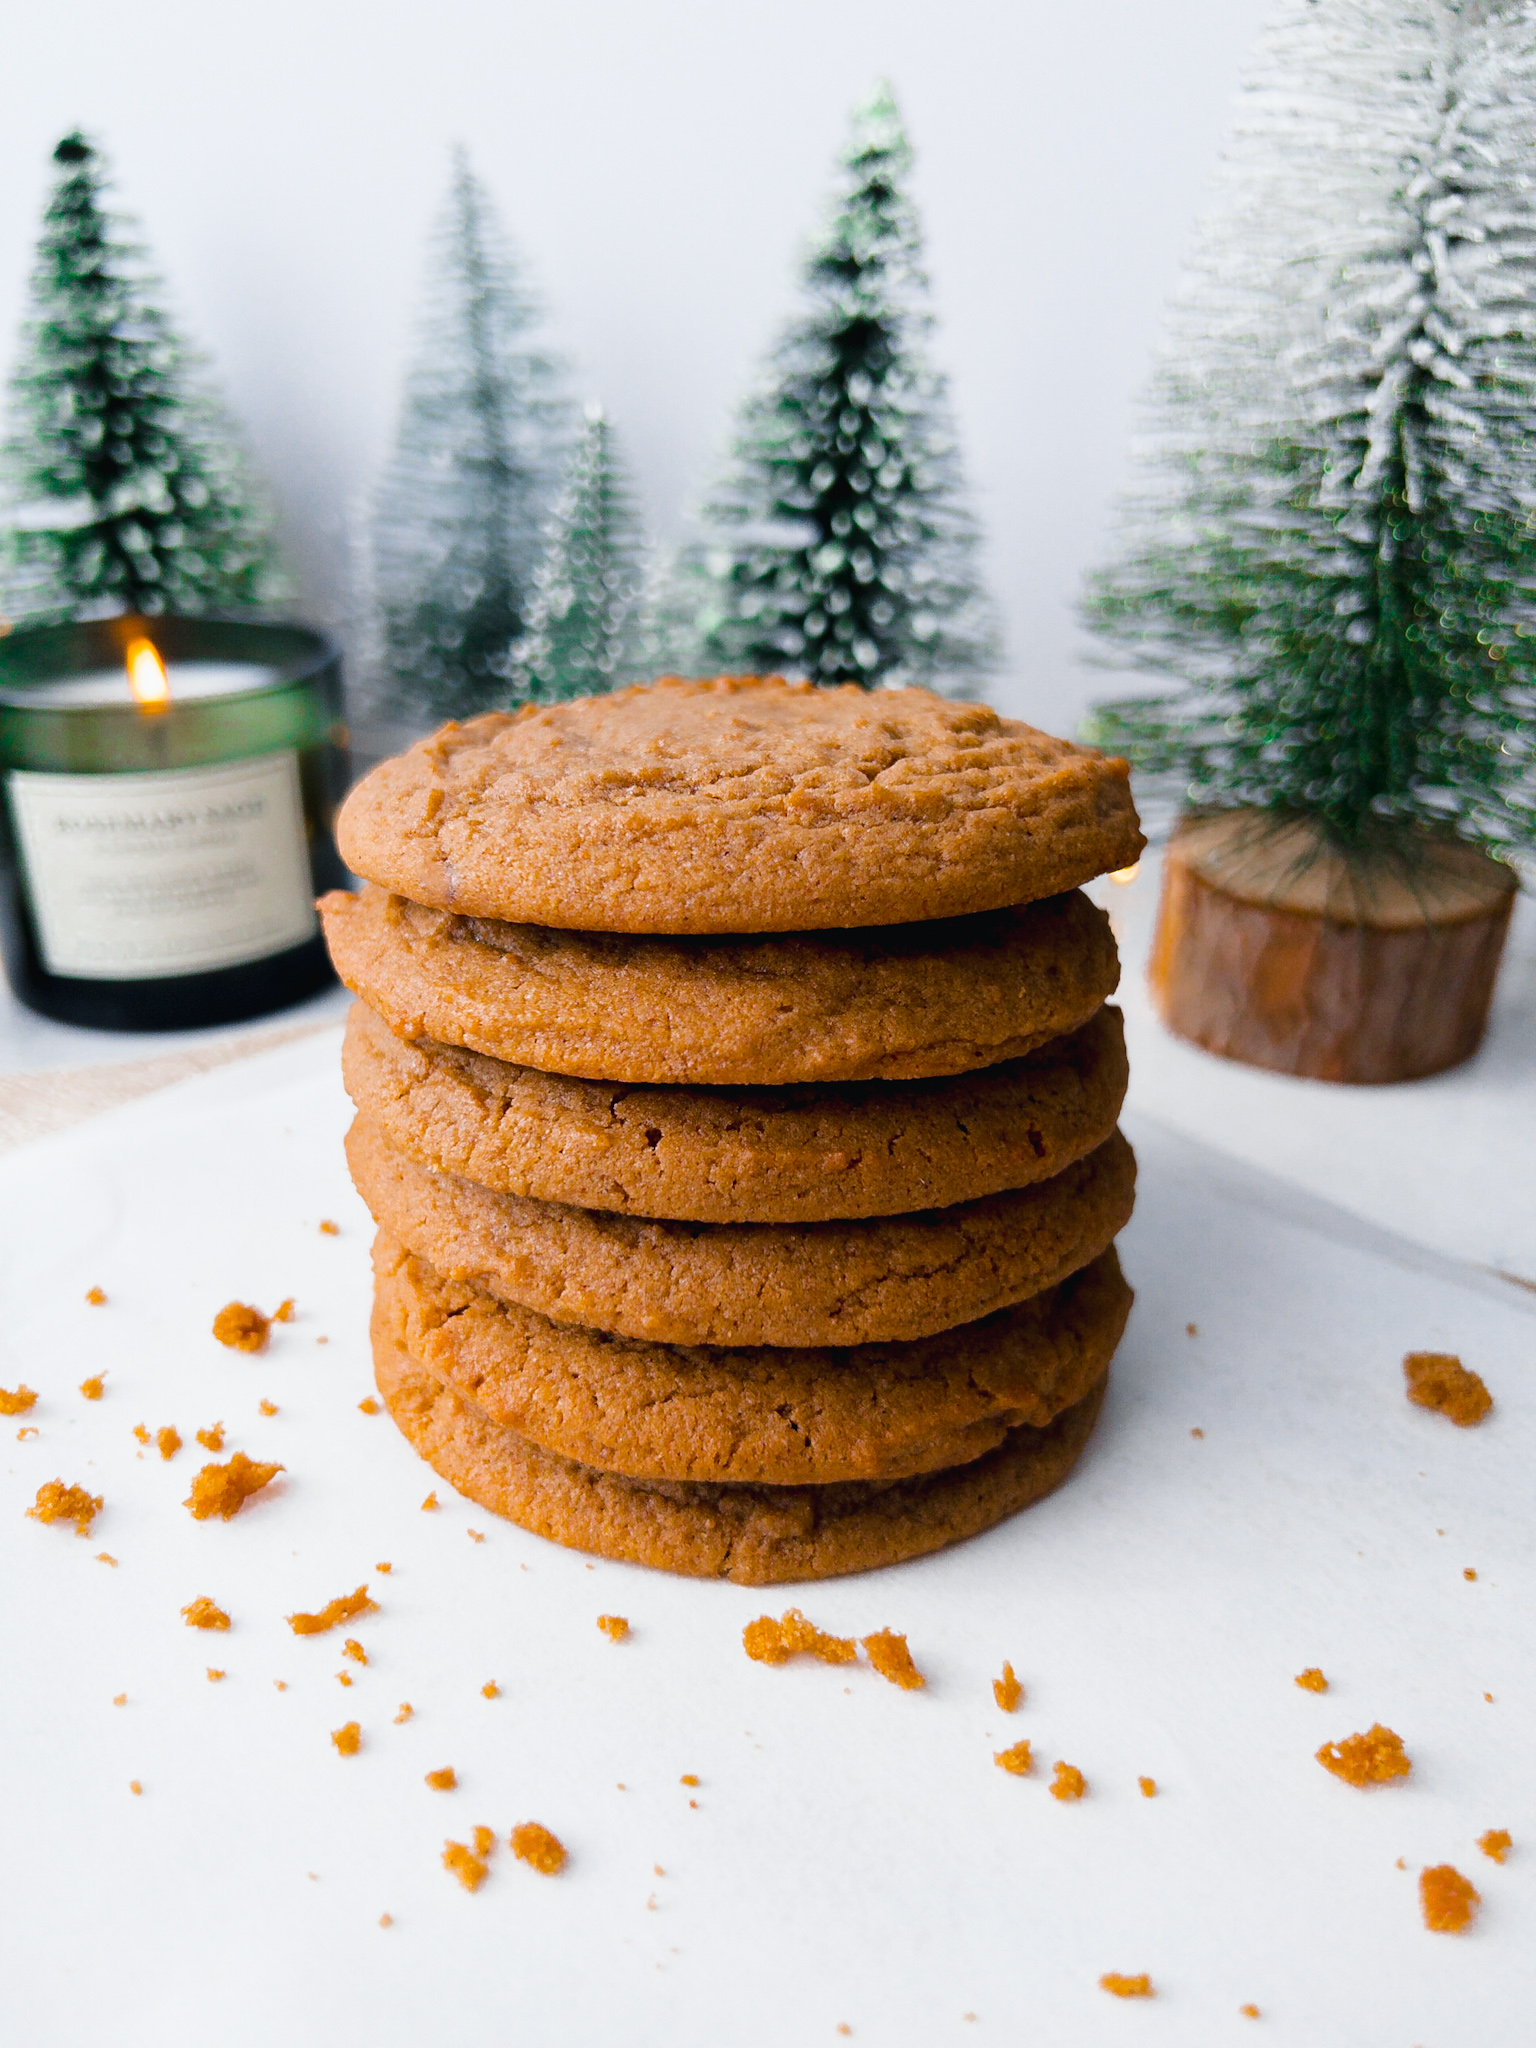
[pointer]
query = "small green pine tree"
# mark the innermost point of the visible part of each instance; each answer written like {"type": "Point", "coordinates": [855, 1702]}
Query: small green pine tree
{"type": "Point", "coordinates": [459, 514]}
{"type": "Point", "coordinates": [126, 489]}
{"type": "Point", "coordinates": [1332, 539]}
{"type": "Point", "coordinates": [584, 619]}
{"type": "Point", "coordinates": [838, 545]}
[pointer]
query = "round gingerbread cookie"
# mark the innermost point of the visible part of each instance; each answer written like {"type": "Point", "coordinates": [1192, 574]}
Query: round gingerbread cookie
{"type": "Point", "coordinates": [744, 804]}
{"type": "Point", "coordinates": [901, 1003]}
{"type": "Point", "coordinates": [764, 1416]}
{"type": "Point", "coordinates": [739, 1155]}
{"type": "Point", "coordinates": [754, 1535]}
{"type": "Point", "coordinates": [884, 1279]}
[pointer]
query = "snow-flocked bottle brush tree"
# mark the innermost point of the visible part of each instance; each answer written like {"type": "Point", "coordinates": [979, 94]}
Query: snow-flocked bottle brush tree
{"type": "Point", "coordinates": [1331, 540]}
{"type": "Point", "coordinates": [837, 543]}
{"type": "Point", "coordinates": [584, 620]}
{"type": "Point", "coordinates": [458, 516]}
{"type": "Point", "coordinates": [125, 485]}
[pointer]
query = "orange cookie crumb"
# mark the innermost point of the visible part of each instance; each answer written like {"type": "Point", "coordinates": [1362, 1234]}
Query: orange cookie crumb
{"type": "Point", "coordinates": [241, 1327]}
{"type": "Point", "coordinates": [142, 1433]}
{"type": "Point", "coordinates": [383, 1567]}
{"type": "Point", "coordinates": [1311, 1680]}
{"type": "Point", "coordinates": [95, 1297]}
{"type": "Point", "coordinates": [135, 1787]}
{"type": "Point", "coordinates": [490, 1690]}
{"type": "Point", "coordinates": [1249, 2012]}
{"type": "Point", "coordinates": [1439, 1380]}
{"type": "Point", "coordinates": [106, 1557]}
{"type": "Point", "coordinates": [343, 1678]}
{"type": "Point", "coordinates": [1148, 1787]}
{"type": "Point", "coordinates": [283, 1313]}
{"type": "Point", "coordinates": [445, 1780]}
{"type": "Point", "coordinates": [614, 1625]}
{"type": "Point", "coordinates": [353, 1648]}
{"type": "Point", "coordinates": [21, 1434]}
{"type": "Point", "coordinates": [120, 1699]}
{"type": "Point", "coordinates": [1373, 1758]}
{"type": "Point", "coordinates": [536, 1845]}
{"type": "Point", "coordinates": [1468, 1573]}
{"type": "Point", "coordinates": [429, 1503]}
{"type": "Point", "coordinates": [775, 1642]}
{"type": "Point", "coordinates": [405, 1713]}
{"type": "Point", "coordinates": [1447, 1899]}
{"type": "Point", "coordinates": [168, 1441]}
{"type": "Point", "coordinates": [485, 1842]}
{"type": "Point", "coordinates": [1495, 1843]}
{"type": "Point", "coordinates": [369, 1406]}
{"type": "Point", "coordinates": [1126, 1987]}
{"type": "Point", "coordinates": [466, 1866]}
{"type": "Point", "coordinates": [343, 1608]}
{"type": "Point", "coordinates": [1067, 1782]}
{"type": "Point", "coordinates": [348, 1740]}
{"type": "Point", "coordinates": [203, 1613]}
{"type": "Point", "coordinates": [1016, 1761]}
{"type": "Point", "coordinates": [1197, 1432]}
{"type": "Point", "coordinates": [474, 1535]}
{"type": "Point", "coordinates": [212, 1439]}
{"type": "Point", "coordinates": [224, 1489]}
{"type": "Point", "coordinates": [890, 1656]}
{"type": "Point", "coordinates": [386, 1919]}
{"type": "Point", "coordinates": [57, 1502]}
{"type": "Point", "coordinates": [266, 1407]}
{"type": "Point", "coordinates": [1007, 1690]}
{"type": "Point", "coordinates": [214, 1676]}
{"type": "Point", "coordinates": [328, 1228]}
{"type": "Point", "coordinates": [688, 1778]}
{"type": "Point", "coordinates": [94, 1387]}
{"type": "Point", "coordinates": [17, 1403]}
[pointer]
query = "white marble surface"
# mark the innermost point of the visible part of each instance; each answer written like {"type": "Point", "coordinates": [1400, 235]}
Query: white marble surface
{"type": "Point", "coordinates": [854, 1858]}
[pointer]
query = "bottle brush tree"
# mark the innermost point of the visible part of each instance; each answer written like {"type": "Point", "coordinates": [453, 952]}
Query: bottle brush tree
{"type": "Point", "coordinates": [837, 544]}
{"type": "Point", "coordinates": [126, 489]}
{"type": "Point", "coordinates": [584, 620]}
{"type": "Point", "coordinates": [1331, 540]}
{"type": "Point", "coordinates": [459, 513]}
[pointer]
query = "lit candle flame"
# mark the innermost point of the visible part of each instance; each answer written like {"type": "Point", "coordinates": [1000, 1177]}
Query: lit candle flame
{"type": "Point", "coordinates": [146, 676]}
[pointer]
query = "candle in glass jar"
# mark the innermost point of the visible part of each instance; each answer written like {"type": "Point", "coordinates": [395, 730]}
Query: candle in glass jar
{"type": "Point", "coordinates": [169, 789]}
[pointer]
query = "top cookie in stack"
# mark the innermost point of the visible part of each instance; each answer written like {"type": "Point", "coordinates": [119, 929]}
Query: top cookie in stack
{"type": "Point", "coordinates": [737, 1102]}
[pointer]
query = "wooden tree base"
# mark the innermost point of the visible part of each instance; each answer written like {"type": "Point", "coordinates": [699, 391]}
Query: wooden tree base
{"type": "Point", "coordinates": [1274, 948]}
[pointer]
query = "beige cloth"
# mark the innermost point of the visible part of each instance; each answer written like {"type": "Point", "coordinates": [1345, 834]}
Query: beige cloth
{"type": "Point", "coordinates": [32, 1105]}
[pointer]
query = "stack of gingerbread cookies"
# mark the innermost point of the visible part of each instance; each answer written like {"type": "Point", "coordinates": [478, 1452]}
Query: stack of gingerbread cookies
{"type": "Point", "coordinates": [737, 1105]}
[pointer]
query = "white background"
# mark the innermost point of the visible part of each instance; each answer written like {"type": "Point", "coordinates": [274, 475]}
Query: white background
{"type": "Point", "coordinates": [659, 166]}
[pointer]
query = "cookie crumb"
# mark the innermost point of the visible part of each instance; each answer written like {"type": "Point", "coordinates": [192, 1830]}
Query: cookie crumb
{"type": "Point", "coordinates": [17, 1402]}
{"type": "Point", "coordinates": [57, 1502]}
{"type": "Point", "coordinates": [1126, 1987]}
{"type": "Point", "coordinates": [1007, 1690]}
{"type": "Point", "coordinates": [466, 1866]}
{"type": "Point", "coordinates": [22, 1434]}
{"type": "Point", "coordinates": [343, 1678]}
{"type": "Point", "coordinates": [328, 1228]}
{"type": "Point", "coordinates": [348, 1739]}
{"type": "Point", "coordinates": [775, 1642]}
{"type": "Point", "coordinates": [445, 1780]}
{"type": "Point", "coordinates": [284, 1312]}
{"type": "Point", "coordinates": [96, 1297]}
{"type": "Point", "coordinates": [106, 1557]}
{"type": "Point", "coordinates": [1439, 1380]}
{"type": "Point", "coordinates": [1495, 1843]}
{"type": "Point", "coordinates": [224, 1489]}
{"type": "Point", "coordinates": [405, 1713]}
{"type": "Point", "coordinates": [120, 1699]}
{"type": "Point", "coordinates": [1447, 1900]}
{"type": "Point", "coordinates": [241, 1327]}
{"type": "Point", "coordinates": [843, 2027]}
{"type": "Point", "coordinates": [386, 1919]}
{"type": "Point", "coordinates": [135, 1787]}
{"type": "Point", "coordinates": [94, 1387]}
{"type": "Point", "coordinates": [383, 1567]}
{"type": "Point", "coordinates": [281, 1684]}
{"type": "Point", "coordinates": [1468, 1573]}
{"type": "Point", "coordinates": [212, 1439]}
{"type": "Point", "coordinates": [1197, 1432]}
{"type": "Point", "coordinates": [353, 1648]}
{"type": "Point", "coordinates": [368, 1406]}
{"type": "Point", "coordinates": [168, 1442]}
{"type": "Point", "coordinates": [429, 1503]}
{"type": "Point", "coordinates": [535, 1845]}
{"type": "Point", "coordinates": [688, 1778]}
{"type": "Point", "coordinates": [1068, 1782]}
{"type": "Point", "coordinates": [890, 1656]}
{"type": "Point", "coordinates": [204, 1613]}
{"type": "Point", "coordinates": [214, 1676]}
{"type": "Point", "coordinates": [1148, 1787]}
{"type": "Point", "coordinates": [613, 1625]}
{"type": "Point", "coordinates": [343, 1608]}
{"type": "Point", "coordinates": [1249, 2012]}
{"type": "Point", "coordinates": [1311, 1680]}
{"type": "Point", "coordinates": [474, 1535]}
{"type": "Point", "coordinates": [1191, 1330]}
{"type": "Point", "coordinates": [1373, 1758]}
{"type": "Point", "coordinates": [485, 1842]}
{"type": "Point", "coordinates": [266, 1407]}
{"type": "Point", "coordinates": [1016, 1761]}
{"type": "Point", "coordinates": [490, 1690]}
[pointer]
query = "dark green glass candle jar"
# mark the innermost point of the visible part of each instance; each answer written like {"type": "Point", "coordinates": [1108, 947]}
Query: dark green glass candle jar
{"type": "Point", "coordinates": [170, 787]}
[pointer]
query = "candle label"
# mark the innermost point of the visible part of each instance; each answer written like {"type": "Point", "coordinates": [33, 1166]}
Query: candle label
{"type": "Point", "coordinates": [140, 877]}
